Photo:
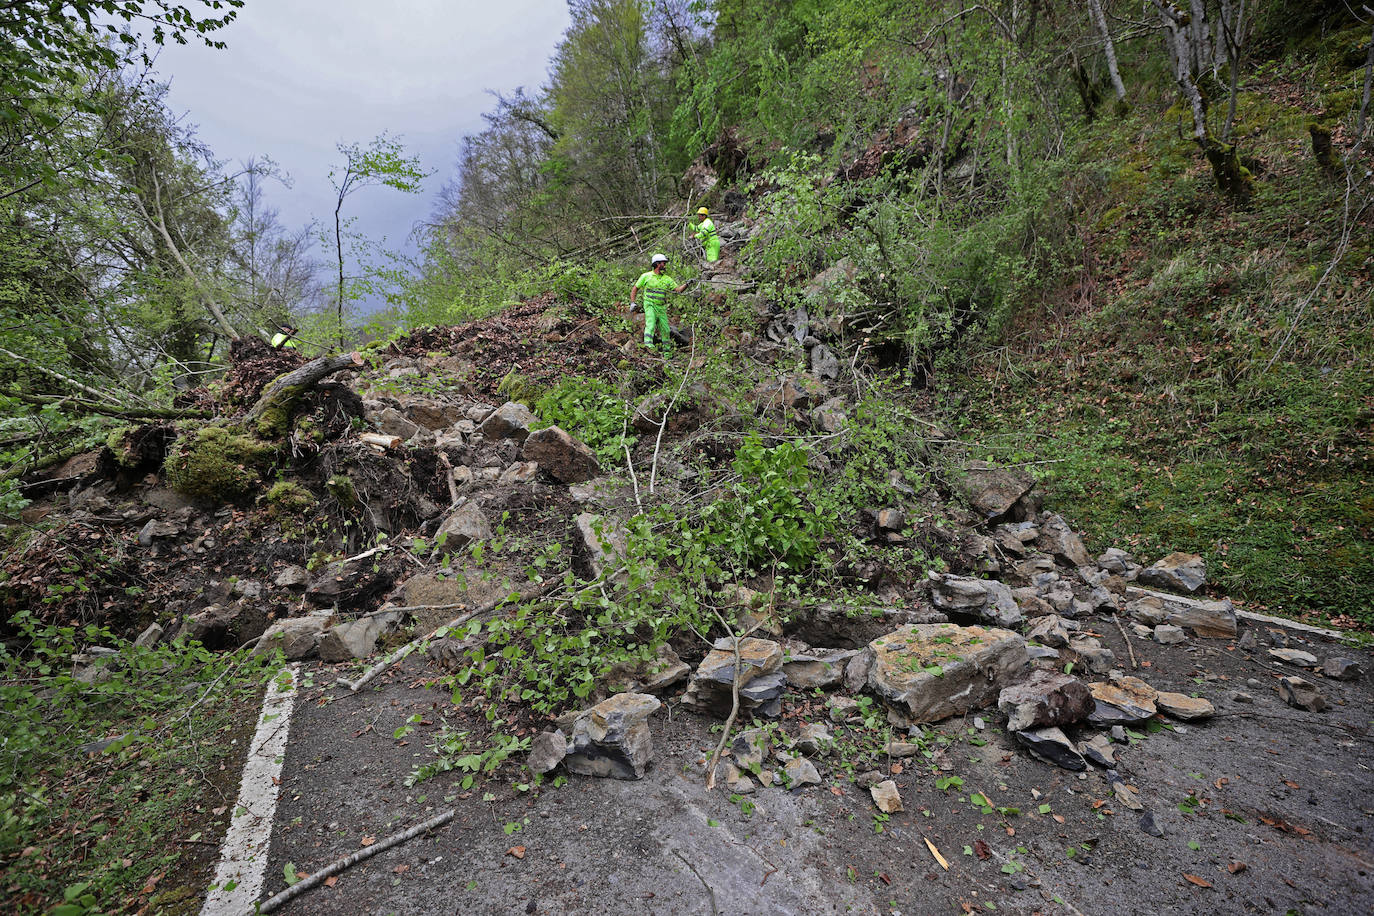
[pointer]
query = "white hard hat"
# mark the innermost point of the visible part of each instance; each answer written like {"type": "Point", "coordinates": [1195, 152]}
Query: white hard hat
{"type": "Point", "coordinates": [659, 258]}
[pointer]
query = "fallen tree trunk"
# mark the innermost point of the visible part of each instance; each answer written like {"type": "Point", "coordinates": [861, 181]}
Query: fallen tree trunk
{"type": "Point", "coordinates": [271, 415]}
{"type": "Point", "coordinates": [78, 405]}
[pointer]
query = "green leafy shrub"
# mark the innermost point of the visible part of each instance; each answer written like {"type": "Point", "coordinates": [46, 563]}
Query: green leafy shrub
{"type": "Point", "coordinates": [215, 462]}
{"type": "Point", "coordinates": [769, 519]}
{"type": "Point", "coordinates": [591, 410]}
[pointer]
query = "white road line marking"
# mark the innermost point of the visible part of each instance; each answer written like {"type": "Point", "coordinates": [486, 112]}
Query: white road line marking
{"type": "Point", "coordinates": [243, 855]}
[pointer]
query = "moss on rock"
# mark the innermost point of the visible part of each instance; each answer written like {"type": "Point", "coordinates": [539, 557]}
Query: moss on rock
{"type": "Point", "coordinates": [216, 462]}
{"type": "Point", "coordinates": [287, 497]}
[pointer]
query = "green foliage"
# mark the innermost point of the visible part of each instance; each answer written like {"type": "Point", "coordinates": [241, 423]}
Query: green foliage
{"type": "Point", "coordinates": [453, 751]}
{"type": "Point", "coordinates": [288, 498]}
{"type": "Point", "coordinates": [166, 709]}
{"type": "Point", "coordinates": [51, 49]}
{"type": "Point", "coordinates": [769, 520]}
{"type": "Point", "coordinates": [591, 410]}
{"type": "Point", "coordinates": [1187, 429]}
{"type": "Point", "coordinates": [217, 462]}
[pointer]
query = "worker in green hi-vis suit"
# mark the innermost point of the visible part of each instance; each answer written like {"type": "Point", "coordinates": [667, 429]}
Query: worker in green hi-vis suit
{"type": "Point", "coordinates": [706, 234]}
{"type": "Point", "coordinates": [285, 338]}
{"type": "Point", "coordinates": [656, 285]}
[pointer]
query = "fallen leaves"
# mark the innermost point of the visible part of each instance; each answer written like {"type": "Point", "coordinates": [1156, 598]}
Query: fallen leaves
{"type": "Point", "coordinates": [1194, 879]}
{"type": "Point", "coordinates": [936, 853]}
{"type": "Point", "coordinates": [1279, 823]}
{"type": "Point", "coordinates": [981, 849]}
{"type": "Point", "coordinates": [1236, 868]}
{"type": "Point", "coordinates": [368, 841]}
{"type": "Point", "coordinates": [517, 851]}
{"type": "Point", "coordinates": [331, 881]}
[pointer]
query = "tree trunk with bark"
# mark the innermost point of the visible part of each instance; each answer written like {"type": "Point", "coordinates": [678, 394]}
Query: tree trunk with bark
{"type": "Point", "coordinates": [1109, 51]}
{"type": "Point", "coordinates": [271, 415]}
{"type": "Point", "coordinates": [1232, 177]}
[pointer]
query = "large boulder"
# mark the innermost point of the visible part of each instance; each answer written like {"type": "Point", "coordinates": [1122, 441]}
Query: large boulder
{"type": "Point", "coordinates": [992, 491]}
{"type": "Point", "coordinates": [823, 362]}
{"type": "Point", "coordinates": [547, 750]}
{"type": "Point", "coordinates": [612, 738]}
{"type": "Point", "coordinates": [928, 672]}
{"type": "Point", "coordinates": [1062, 542]}
{"type": "Point", "coordinates": [818, 668]}
{"type": "Point", "coordinates": [986, 599]}
{"type": "Point", "coordinates": [1123, 701]}
{"type": "Point", "coordinates": [1183, 572]}
{"type": "Point", "coordinates": [831, 416]}
{"type": "Point", "coordinates": [297, 637]}
{"type": "Point", "coordinates": [566, 458]}
{"type": "Point", "coordinates": [1053, 746]}
{"type": "Point", "coordinates": [431, 414]}
{"type": "Point", "coordinates": [1215, 619]}
{"type": "Point", "coordinates": [394, 423]}
{"type": "Point", "coordinates": [1301, 694]}
{"type": "Point", "coordinates": [801, 392]}
{"type": "Point", "coordinates": [601, 541]}
{"type": "Point", "coordinates": [464, 525]}
{"type": "Point", "coordinates": [357, 638]}
{"type": "Point", "coordinates": [1045, 698]}
{"type": "Point", "coordinates": [512, 420]}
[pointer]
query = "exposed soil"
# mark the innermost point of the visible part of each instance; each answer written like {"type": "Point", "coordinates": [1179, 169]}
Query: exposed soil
{"type": "Point", "coordinates": [542, 339]}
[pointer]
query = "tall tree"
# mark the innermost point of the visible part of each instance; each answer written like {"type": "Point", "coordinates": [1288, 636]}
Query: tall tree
{"type": "Point", "coordinates": [52, 47]}
{"type": "Point", "coordinates": [383, 161]}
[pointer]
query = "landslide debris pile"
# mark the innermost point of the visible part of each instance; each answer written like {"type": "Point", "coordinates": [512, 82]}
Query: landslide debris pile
{"type": "Point", "coordinates": [374, 516]}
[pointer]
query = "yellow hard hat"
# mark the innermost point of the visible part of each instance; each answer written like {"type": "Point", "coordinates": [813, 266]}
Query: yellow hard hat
{"type": "Point", "coordinates": [702, 211]}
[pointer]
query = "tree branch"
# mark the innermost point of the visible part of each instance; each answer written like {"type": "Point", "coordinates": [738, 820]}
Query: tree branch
{"type": "Point", "coordinates": [272, 413]}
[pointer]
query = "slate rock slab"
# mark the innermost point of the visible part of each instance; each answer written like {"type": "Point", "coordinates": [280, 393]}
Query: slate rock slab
{"type": "Point", "coordinates": [1061, 542]}
{"type": "Point", "coordinates": [465, 525]}
{"type": "Point", "coordinates": [297, 637]}
{"type": "Point", "coordinates": [886, 797]}
{"type": "Point", "coordinates": [986, 599]}
{"type": "Point", "coordinates": [993, 491]}
{"type": "Point", "coordinates": [1342, 669]}
{"type": "Point", "coordinates": [823, 668]}
{"type": "Point", "coordinates": [1053, 746]}
{"type": "Point", "coordinates": [1181, 706]}
{"type": "Point", "coordinates": [1301, 694]}
{"type": "Point", "coordinates": [612, 738]}
{"type": "Point", "coordinates": [1184, 572]}
{"type": "Point", "coordinates": [1046, 698]}
{"type": "Point", "coordinates": [512, 420]}
{"type": "Point", "coordinates": [1294, 657]}
{"type": "Point", "coordinates": [1128, 699]}
{"type": "Point", "coordinates": [1209, 619]}
{"type": "Point", "coordinates": [928, 672]}
{"type": "Point", "coordinates": [567, 458]}
{"type": "Point", "coordinates": [547, 751]}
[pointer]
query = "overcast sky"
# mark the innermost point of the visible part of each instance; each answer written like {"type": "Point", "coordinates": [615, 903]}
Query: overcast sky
{"type": "Point", "coordinates": [299, 76]}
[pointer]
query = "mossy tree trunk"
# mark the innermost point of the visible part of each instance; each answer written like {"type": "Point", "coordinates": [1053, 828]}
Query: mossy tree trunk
{"type": "Point", "coordinates": [271, 415]}
{"type": "Point", "coordinates": [1109, 51]}
{"type": "Point", "coordinates": [1233, 178]}
{"type": "Point", "coordinates": [1322, 150]}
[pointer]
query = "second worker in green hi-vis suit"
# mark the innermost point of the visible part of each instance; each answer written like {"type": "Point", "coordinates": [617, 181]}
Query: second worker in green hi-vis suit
{"type": "Point", "coordinates": [706, 234]}
{"type": "Point", "coordinates": [656, 285]}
